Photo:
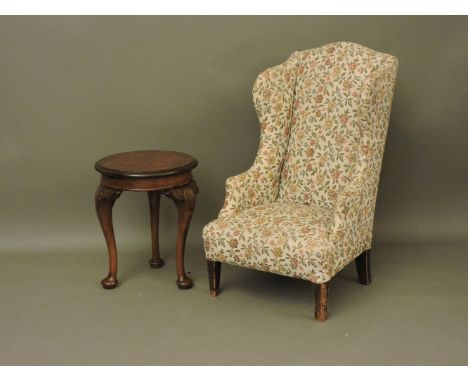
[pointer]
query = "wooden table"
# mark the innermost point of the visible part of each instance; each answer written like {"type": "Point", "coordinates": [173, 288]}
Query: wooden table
{"type": "Point", "coordinates": [156, 172]}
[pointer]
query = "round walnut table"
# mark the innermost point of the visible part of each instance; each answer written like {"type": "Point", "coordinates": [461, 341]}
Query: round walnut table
{"type": "Point", "coordinates": [156, 172]}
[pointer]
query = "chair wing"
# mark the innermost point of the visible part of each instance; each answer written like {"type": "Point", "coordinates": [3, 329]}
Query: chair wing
{"type": "Point", "coordinates": [273, 94]}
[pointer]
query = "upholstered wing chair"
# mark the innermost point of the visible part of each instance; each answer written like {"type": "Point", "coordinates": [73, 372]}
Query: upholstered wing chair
{"type": "Point", "coordinates": [305, 208]}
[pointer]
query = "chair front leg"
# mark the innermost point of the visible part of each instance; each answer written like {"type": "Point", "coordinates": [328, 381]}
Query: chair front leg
{"type": "Point", "coordinates": [321, 301]}
{"type": "Point", "coordinates": [214, 275]}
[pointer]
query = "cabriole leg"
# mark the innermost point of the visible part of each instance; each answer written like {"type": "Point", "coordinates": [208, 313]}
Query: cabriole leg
{"type": "Point", "coordinates": [105, 199]}
{"type": "Point", "coordinates": [184, 199]}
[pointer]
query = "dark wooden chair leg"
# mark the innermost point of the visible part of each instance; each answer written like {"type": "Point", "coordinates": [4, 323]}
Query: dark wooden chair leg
{"type": "Point", "coordinates": [214, 275]}
{"type": "Point", "coordinates": [184, 198]}
{"type": "Point", "coordinates": [363, 267]}
{"type": "Point", "coordinates": [154, 198]}
{"type": "Point", "coordinates": [321, 301]}
{"type": "Point", "coordinates": [105, 199]}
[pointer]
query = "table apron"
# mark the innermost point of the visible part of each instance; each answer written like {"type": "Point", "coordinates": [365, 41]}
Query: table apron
{"type": "Point", "coordinates": [147, 184]}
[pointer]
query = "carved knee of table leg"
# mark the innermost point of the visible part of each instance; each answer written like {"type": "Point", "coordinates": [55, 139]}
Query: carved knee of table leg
{"type": "Point", "coordinates": [105, 199]}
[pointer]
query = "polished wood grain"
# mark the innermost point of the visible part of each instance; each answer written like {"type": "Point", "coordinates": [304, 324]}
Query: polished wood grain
{"type": "Point", "coordinates": [145, 164]}
{"type": "Point", "coordinates": [363, 267]}
{"type": "Point", "coordinates": [321, 301]}
{"type": "Point", "coordinates": [157, 172]}
{"type": "Point", "coordinates": [214, 276]}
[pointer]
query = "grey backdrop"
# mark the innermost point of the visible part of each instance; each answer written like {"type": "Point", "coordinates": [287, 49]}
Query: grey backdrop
{"type": "Point", "coordinates": [73, 89]}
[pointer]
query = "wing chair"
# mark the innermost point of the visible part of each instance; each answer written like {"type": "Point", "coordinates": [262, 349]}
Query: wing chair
{"type": "Point", "coordinates": [305, 208]}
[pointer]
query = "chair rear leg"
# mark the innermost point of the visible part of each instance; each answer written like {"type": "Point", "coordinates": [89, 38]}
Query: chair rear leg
{"type": "Point", "coordinates": [321, 301]}
{"type": "Point", "coordinates": [364, 268]}
{"type": "Point", "coordinates": [214, 274]}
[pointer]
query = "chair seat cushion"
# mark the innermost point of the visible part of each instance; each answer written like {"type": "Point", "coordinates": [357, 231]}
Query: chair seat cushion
{"type": "Point", "coordinates": [290, 239]}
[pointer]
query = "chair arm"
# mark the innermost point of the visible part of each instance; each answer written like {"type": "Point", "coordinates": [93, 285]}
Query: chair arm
{"type": "Point", "coordinates": [349, 226]}
{"type": "Point", "coordinates": [248, 189]}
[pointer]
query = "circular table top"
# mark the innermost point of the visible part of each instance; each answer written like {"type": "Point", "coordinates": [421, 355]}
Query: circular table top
{"type": "Point", "coordinates": [145, 164]}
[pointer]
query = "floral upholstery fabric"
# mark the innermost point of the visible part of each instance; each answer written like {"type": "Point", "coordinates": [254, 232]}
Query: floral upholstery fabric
{"type": "Point", "coordinates": [284, 238]}
{"type": "Point", "coordinates": [305, 208]}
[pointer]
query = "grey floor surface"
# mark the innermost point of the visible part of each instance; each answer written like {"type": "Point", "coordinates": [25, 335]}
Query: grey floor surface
{"type": "Point", "coordinates": [53, 311]}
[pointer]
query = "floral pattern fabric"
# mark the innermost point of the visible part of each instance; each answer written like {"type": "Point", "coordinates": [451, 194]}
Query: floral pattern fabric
{"type": "Point", "coordinates": [323, 120]}
{"type": "Point", "coordinates": [284, 238]}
